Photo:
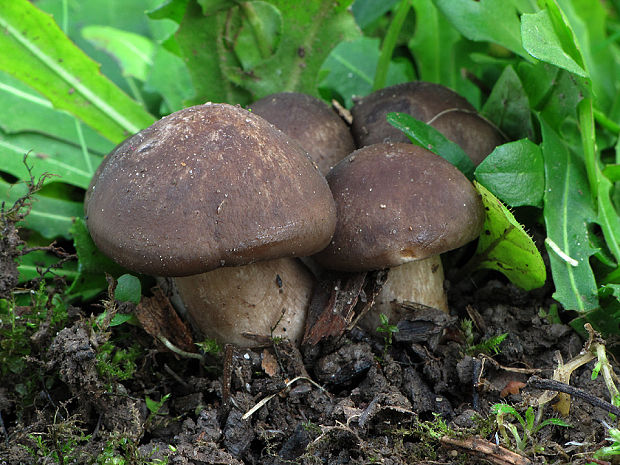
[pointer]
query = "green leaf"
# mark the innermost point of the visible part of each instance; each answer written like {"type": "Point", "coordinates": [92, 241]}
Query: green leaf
{"type": "Point", "coordinates": [508, 106]}
{"type": "Point", "coordinates": [32, 112]}
{"type": "Point", "coordinates": [506, 247]}
{"type": "Point", "coordinates": [308, 35]}
{"type": "Point", "coordinates": [514, 172]}
{"type": "Point", "coordinates": [440, 52]}
{"type": "Point", "coordinates": [368, 11]}
{"type": "Point", "coordinates": [428, 137]}
{"type": "Point", "coordinates": [257, 33]}
{"type": "Point", "coordinates": [538, 81]}
{"type": "Point", "coordinates": [67, 163]}
{"type": "Point", "coordinates": [170, 78]}
{"type": "Point", "coordinates": [485, 20]}
{"type": "Point", "coordinates": [589, 26]}
{"type": "Point", "coordinates": [31, 265]}
{"type": "Point", "coordinates": [612, 172]}
{"type": "Point", "coordinates": [92, 265]}
{"type": "Point", "coordinates": [133, 52]}
{"type": "Point", "coordinates": [542, 42]}
{"type": "Point", "coordinates": [567, 211]}
{"type": "Point", "coordinates": [37, 52]}
{"type": "Point", "coordinates": [128, 289]}
{"type": "Point", "coordinates": [90, 259]}
{"type": "Point", "coordinates": [349, 70]}
{"type": "Point", "coordinates": [51, 217]}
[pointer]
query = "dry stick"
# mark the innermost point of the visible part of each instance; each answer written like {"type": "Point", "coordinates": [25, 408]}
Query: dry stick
{"type": "Point", "coordinates": [551, 385]}
{"type": "Point", "coordinates": [226, 380]}
{"type": "Point", "coordinates": [256, 407]}
{"type": "Point", "coordinates": [487, 450]}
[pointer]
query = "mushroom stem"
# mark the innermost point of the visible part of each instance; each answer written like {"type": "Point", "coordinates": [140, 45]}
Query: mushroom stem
{"type": "Point", "coordinates": [262, 299]}
{"type": "Point", "coordinates": [420, 281]}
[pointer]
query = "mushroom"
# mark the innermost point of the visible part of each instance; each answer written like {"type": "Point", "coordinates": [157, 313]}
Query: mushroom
{"type": "Point", "coordinates": [434, 104]}
{"type": "Point", "coordinates": [399, 206]}
{"type": "Point", "coordinates": [318, 129]}
{"type": "Point", "coordinates": [216, 186]}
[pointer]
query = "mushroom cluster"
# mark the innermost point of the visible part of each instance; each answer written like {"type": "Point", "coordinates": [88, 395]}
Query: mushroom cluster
{"type": "Point", "coordinates": [223, 200]}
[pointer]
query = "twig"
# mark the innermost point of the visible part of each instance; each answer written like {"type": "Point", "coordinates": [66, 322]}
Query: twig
{"type": "Point", "coordinates": [552, 385]}
{"type": "Point", "coordinates": [226, 381]}
{"type": "Point", "coordinates": [486, 450]}
{"type": "Point", "coordinates": [262, 402]}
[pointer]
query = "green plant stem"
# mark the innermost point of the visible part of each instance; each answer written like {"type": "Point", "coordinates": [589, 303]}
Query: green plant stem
{"type": "Point", "coordinates": [588, 141]}
{"type": "Point", "coordinates": [389, 43]}
{"type": "Point", "coordinates": [137, 95]}
{"type": "Point", "coordinates": [262, 41]}
{"type": "Point", "coordinates": [602, 119]}
{"type": "Point", "coordinates": [608, 374]}
{"type": "Point", "coordinates": [83, 146]}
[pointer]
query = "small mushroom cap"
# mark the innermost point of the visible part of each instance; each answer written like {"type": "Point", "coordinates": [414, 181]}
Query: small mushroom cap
{"type": "Point", "coordinates": [398, 203]}
{"type": "Point", "coordinates": [208, 186]}
{"type": "Point", "coordinates": [317, 128]}
{"type": "Point", "coordinates": [434, 104]}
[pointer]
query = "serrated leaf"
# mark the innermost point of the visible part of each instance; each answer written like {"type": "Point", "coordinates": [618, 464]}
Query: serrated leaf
{"type": "Point", "coordinates": [485, 20]}
{"type": "Point", "coordinates": [50, 217]}
{"type": "Point", "coordinates": [92, 264]}
{"type": "Point", "coordinates": [506, 247]}
{"type": "Point", "coordinates": [37, 52]}
{"type": "Point", "coordinates": [567, 211]}
{"type": "Point", "coordinates": [32, 112]}
{"type": "Point", "coordinates": [431, 139]}
{"type": "Point", "coordinates": [514, 172]}
{"type": "Point", "coordinates": [508, 106]}
{"type": "Point", "coordinates": [309, 33]}
{"type": "Point", "coordinates": [349, 70]}
{"type": "Point", "coordinates": [133, 52]}
{"type": "Point", "coordinates": [67, 163]}
{"type": "Point", "coordinates": [91, 260]}
{"type": "Point", "coordinates": [541, 41]}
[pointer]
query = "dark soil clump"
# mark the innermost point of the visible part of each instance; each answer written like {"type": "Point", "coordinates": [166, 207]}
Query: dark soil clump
{"type": "Point", "coordinates": [97, 393]}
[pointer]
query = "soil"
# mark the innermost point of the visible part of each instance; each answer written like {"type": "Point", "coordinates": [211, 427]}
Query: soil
{"type": "Point", "coordinates": [422, 399]}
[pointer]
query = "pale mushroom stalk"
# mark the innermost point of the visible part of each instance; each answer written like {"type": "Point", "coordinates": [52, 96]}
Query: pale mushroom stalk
{"type": "Point", "coordinates": [418, 282]}
{"type": "Point", "coordinates": [244, 305]}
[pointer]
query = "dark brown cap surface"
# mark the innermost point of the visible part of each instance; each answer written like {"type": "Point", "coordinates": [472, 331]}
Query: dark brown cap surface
{"type": "Point", "coordinates": [397, 203]}
{"type": "Point", "coordinates": [208, 186]}
{"type": "Point", "coordinates": [433, 104]}
{"type": "Point", "coordinates": [317, 128]}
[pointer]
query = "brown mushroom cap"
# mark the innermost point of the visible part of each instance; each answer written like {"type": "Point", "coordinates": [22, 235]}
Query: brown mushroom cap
{"type": "Point", "coordinates": [208, 186]}
{"type": "Point", "coordinates": [397, 203]}
{"type": "Point", "coordinates": [317, 128]}
{"type": "Point", "coordinates": [434, 104]}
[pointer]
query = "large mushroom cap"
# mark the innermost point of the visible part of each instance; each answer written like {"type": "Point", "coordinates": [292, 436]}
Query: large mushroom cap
{"type": "Point", "coordinates": [398, 203]}
{"type": "Point", "coordinates": [317, 128]}
{"type": "Point", "coordinates": [208, 186]}
{"type": "Point", "coordinates": [434, 104]}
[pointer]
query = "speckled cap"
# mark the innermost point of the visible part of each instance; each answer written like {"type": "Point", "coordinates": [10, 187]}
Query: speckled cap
{"type": "Point", "coordinates": [317, 128]}
{"type": "Point", "coordinates": [208, 186]}
{"type": "Point", "coordinates": [433, 104]}
{"type": "Point", "coordinates": [397, 203]}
